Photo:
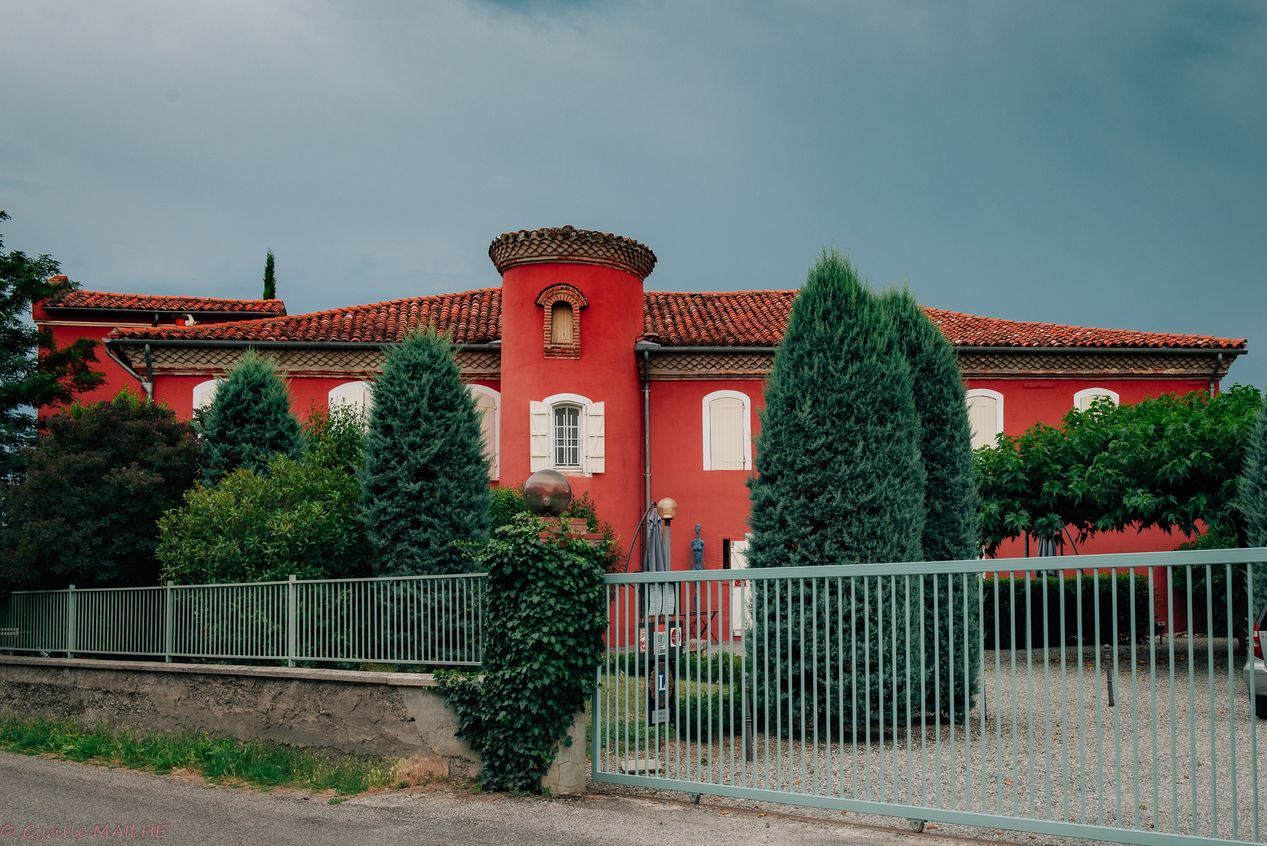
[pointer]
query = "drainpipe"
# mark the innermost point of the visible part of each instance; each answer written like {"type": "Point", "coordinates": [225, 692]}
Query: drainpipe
{"type": "Point", "coordinates": [149, 373]}
{"type": "Point", "coordinates": [644, 376]}
{"type": "Point", "coordinates": [1218, 363]}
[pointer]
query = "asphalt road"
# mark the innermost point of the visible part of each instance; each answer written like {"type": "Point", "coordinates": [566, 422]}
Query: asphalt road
{"type": "Point", "coordinates": [49, 800]}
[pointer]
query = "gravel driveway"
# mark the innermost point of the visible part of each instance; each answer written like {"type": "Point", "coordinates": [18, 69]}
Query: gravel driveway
{"type": "Point", "coordinates": [1041, 743]}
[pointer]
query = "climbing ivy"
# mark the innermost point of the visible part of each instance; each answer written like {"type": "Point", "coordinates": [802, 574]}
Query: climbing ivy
{"type": "Point", "coordinates": [545, 616]}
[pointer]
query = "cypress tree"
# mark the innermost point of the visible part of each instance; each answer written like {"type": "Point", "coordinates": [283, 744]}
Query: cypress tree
{"type": "Point", "coordinates": [950, 506]}
{"type": "Point", "coordinates": [270, 278]}
{"type": "Point", "coordinates": [425, 476]}
{"type": "Point", "coordinates": [840, 482]}
{"type": "Point", "coordinates": [1252, 498]}
{"type": "Point", "coordinates": [249, 421]}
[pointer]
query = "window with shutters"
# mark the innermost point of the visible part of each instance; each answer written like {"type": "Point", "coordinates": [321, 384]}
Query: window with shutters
{"type": "Point", "coordinates": [567, 433]}
{"type": "Point", "coordinates": [488, 405]}
{"type": "Point", "coordinates": [727, 431]}
{"type": "Point", "coordinates": [205, 394]}
{"type": "Point", "coordinates": [1082, 399]}
{"type": "Point", "coordinates": [562, 306]}
{"type": "Point", "coordinates": [354, 395]}
{"type": "Point", "coordinates": [985, 416]}
{"type": "Point", "coordinates": [566, 436]}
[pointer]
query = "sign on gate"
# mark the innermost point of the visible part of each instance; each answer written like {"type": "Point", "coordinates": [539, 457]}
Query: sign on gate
{"type": "Point", "coordinates": [665, 638]}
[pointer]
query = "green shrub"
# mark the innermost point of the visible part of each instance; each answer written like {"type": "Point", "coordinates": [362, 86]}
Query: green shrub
{"type": "Point", "coordinates": [301, 518]}
{"type": "Point", "coordinates": [249, 421]}
{"type": "Point", "coordinates": [1044, 611]}
{"type": "Point", "coordinates": [335, 438]}
{"type": "Point", "coordinates": [839, 481]}
{"type": "Point", "coordinates": [98, 481]}
{"type": "Point", "coordinates": [546, 602]}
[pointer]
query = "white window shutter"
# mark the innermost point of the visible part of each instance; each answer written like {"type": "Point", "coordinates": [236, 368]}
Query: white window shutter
{"type": "Point", "coordinates": [595, 436]}
{"type": "Point", "coordinates": [726, 419]}
{"type": "Point", "coordinates": [539, 435]}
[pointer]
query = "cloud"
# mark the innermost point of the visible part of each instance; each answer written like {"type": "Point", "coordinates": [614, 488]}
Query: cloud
{"type": "Point", "coordinates": [1077, 162]}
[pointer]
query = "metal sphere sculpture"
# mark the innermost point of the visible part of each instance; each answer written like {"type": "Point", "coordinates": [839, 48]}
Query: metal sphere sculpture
{"type": "Point", "coordinates": [547, 492]}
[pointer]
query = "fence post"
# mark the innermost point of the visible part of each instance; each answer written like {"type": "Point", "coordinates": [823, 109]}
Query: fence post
{"type": "Point", "coordinates": [70, 622]}
{"type": "Point", "coordinates": [168, 630]}
{"type": "Point", "coordinates": [292, 623]}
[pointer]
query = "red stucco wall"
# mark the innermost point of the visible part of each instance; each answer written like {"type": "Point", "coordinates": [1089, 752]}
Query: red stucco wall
{"type": "Point", "coordinates": [605, 372]}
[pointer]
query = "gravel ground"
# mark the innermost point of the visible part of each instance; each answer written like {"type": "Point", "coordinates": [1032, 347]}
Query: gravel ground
{"type": "Point", "coordinates": [1048, 750]}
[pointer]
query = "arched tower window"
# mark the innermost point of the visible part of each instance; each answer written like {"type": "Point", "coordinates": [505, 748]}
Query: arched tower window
{"type": "Point", "coordinates": [562, 306]}
{"type": "Point", "coordinates": [561, 323]}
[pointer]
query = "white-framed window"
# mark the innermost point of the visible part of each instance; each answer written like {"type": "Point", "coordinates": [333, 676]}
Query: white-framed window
{"type": "Point", "coordinates": [488, 404]}
{"type": "Point", "coordinates": [985, 416]}
{"type": "Point", "coordinates": [1082, 399]}
{"type": "Point", "coordinates": [727, 431]}
{"type": "Point", "coordinates": [356, 395]}
{"type": "Point", "coordinates": [205, 394]}
{"type": "Point", "coordinates": [567, 432]}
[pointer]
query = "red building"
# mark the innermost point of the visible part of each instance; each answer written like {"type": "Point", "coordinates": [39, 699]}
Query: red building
{"type": "Point", "coordinates": [636, 395]}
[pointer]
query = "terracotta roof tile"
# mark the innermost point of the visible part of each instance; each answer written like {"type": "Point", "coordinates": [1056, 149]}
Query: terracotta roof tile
{"type": "Point", "coordinates": [970, 330]}
{"type": "Point", "coordinates": [156, 302]}
{"type": "Point", "coordinates": [471, 317]}
{"type": "Point", "coordinates": [758, 318]}
{"type": "Point", "coordinates": [740, 318]}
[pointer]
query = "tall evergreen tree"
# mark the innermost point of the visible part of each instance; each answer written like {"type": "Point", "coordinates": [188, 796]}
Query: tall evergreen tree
{"type": "Point", "coordinates": [249, 421]}
{"type": "Point", "coordinates": [270, 278]}
{"type": "Point", "coordinates": [33, 372]}
{"type": "Point", "coordinates": [1252, 498]}
{"type": "Point", "coordinates": [425, 476]}
{"type": "Point", "coordinates": [839, 482]}
{"type": "Point", "coordinates": [950, 506]}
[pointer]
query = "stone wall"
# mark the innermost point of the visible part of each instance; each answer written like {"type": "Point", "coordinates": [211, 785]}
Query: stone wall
{"type": "Point", "coordinates": [397, 715]}
{"type": "Point", "coordinates": [393, 715]}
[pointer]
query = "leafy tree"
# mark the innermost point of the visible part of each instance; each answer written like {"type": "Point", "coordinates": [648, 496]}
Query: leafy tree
{"type": "Point", "coordinates": [301, 518]}
{"type": "Point", "coordinates": [270, 278]}
{"type": "Point", "coordinates": [1170, 462]}
{"type": "Point", "coordinates": [840, 481]}
{"type": "Point", "coordinates": [950, 504]}
{"type": "Point", "coordinates": [249, 421]}
{"type": "Point", "coordinates": [33, 372]}
{"type": "Point", "coordinates": [97, 484]}
{"type": "Point", "coordinates": [425, 477]}
{"type": "Point", "coordinates": [336, 438]}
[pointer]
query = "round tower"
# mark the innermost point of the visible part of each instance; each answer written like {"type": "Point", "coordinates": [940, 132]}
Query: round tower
{"type": "Point", "coordinates": [572, 310]}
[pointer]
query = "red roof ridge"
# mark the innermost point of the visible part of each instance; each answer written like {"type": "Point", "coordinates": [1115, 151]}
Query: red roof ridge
{"type": "Point", "coordinates": [81, 298]}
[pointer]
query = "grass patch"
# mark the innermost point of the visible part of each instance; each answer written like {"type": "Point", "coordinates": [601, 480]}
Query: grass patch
{"type": "Point", "coordinates": [217, 759]}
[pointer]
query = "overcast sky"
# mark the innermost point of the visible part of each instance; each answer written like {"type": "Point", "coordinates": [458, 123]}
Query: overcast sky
{"type": "Point", "coordinates": [1103, 164]}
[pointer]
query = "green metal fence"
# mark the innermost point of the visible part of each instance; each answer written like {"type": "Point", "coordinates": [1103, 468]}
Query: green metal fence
{"type": "Point", "coordinates": [871, 688]}
{"type": "Point", "coordinates": [422, 620]}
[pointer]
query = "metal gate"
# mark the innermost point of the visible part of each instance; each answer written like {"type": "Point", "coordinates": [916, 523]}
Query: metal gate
{"type": "Point", "coordinates": [1100, 697]}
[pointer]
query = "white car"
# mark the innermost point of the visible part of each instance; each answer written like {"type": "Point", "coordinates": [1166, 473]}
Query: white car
{"type": "Point", "coordinates": [1256, 666]}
